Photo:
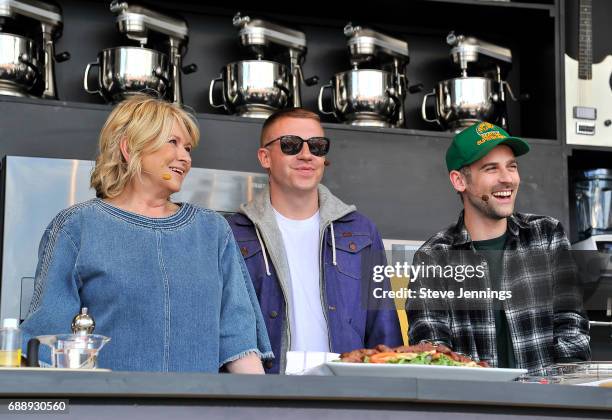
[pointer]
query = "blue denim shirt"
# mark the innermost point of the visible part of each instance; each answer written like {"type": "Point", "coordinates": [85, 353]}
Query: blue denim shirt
{"type": "Point", "coordinates": [173, 293]}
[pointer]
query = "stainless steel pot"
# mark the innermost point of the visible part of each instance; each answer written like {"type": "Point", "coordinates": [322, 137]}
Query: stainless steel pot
{"type": "Point", "coordinates": [463, 101]}
{"type": "Point", "coordinates": [362, 97]}
{"type": "Point", "coordinates": [20, 65]}
{"type": "Point", "coordinates": [253, 88]}
{"type": "Point", "coordinates": [593, 195]}
{"type": "Point", "coordinates": [124, 71]}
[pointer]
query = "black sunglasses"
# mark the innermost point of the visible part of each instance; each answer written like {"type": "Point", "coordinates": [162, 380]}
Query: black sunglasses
{"type": "Point", "coordinates": [291, 145]}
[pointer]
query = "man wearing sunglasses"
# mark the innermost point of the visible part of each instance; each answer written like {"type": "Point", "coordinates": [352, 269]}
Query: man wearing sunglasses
{"type": "Point", "coordinates": [304, 248]}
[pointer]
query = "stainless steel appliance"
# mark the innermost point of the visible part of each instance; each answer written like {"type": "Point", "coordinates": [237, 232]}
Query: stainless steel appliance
{"type": "Point", "coordinates": [479, 93]}
{"type": "Point", "coordinates": [28, 32]}
{"type": "Point", "coordinates": [372, 93]}
{"type": "Point", "coordinates": [598, 290]}
{"type": "Point", "coordinates": [36, 189]}
{"type": "Point", "coordinates": [593, 202]}
{"type": "Point", "coordinates": [126, 70]}
{"type": "Point", "coordinates": [272, 79]}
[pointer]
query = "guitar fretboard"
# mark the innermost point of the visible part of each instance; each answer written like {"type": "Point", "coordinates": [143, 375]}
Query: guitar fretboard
{"type": "Point", "coordinates": [585, 41]}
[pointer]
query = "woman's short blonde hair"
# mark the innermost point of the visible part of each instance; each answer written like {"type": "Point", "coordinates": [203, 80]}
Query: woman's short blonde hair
{"type": "Point", "coordinates": [145, 123]}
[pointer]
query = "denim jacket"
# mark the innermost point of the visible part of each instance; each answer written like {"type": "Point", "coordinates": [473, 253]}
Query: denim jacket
{"type": "Point", "coordinates": [172, 293]}
{"type": "Point", "coordinates": [347, 239]}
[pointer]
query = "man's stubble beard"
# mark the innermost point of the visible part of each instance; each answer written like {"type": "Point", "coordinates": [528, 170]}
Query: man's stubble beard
{"type": "Point", "coordinates": [485, 208]}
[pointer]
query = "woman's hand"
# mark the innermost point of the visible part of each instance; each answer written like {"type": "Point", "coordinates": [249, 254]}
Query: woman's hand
{"type": "Point", "coordinates": [248, 364]}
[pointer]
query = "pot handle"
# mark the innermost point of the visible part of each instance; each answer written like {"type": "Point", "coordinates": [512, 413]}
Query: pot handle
{"type": "Point", "coordinates": [32, 352]}
{"type": "Point", "coordinates": [320, 100]}
{"type": "Point", "coordinates": [86, 82]}
{"type": "Point", "coordinates": [280, 86]}
{"type": "Point", "coordinates": [398, 105]}
{"type": "Point", "coordinates": [424, 110]}
{"type": "Point", "coordinates": [23, 58]}
{"type": "Point", "coordinates": [211, 99]}
{"type": "Point", "coordinates": [160, 73]}
{"type": "Point", "coordinates": [584, 225]}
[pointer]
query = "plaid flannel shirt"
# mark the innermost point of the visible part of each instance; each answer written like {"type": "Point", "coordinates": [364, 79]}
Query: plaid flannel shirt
{"type": "Point", "coordinates": [545, 315]}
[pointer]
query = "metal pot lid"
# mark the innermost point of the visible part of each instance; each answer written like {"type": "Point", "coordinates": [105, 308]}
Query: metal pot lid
{"type": "Point", "coordinates": [362, 71]}
{"type": "Point", "coordinates": [468, 78]}
{"type": "Point", "coordinates": [8, 35]}
{"type": "Point", "coordinates": [256, 61]}
{"type": "Point", "coordinates": [131, 48]}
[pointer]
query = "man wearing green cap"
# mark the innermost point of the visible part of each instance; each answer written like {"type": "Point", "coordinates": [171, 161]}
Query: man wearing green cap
{"type": "Point", "coordinates": [524, 255]}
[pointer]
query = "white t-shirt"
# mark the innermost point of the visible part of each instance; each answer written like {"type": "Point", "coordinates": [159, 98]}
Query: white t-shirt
{"type": "Point", "coordinates": [308, 325]}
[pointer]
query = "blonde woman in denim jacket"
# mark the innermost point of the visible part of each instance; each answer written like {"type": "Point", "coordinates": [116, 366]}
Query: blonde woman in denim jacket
{"type": "Point", "coordinates": [166, 281]}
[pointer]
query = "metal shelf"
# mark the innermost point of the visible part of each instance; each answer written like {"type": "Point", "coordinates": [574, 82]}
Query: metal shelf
{"type": "Point", "coordinates": [334, 126]}
{"type": "Point", "coordinates": [511, 4]}
{"type": "Point", "coordinates": [572, 147]}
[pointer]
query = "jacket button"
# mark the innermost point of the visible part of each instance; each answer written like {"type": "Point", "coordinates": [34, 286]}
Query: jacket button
{"type": "Point", "coordinates": [273, 314]}
{"type": "Point", "coordinates": [244, 251]}
{"type": "Point", "coordinates": [347, 234]}
{"type": "Point", "coordinates": [352, 246]}
{"type": "Point", "coordinates": [268, 364]}
{"type": "Point", "coordinates": [331, 307]}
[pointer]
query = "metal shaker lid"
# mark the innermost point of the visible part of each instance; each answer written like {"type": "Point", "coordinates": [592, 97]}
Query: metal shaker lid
{"type": "Point", "coordinates": [596, 174]}
{"type": "Point", "coordinates": [83, 323]}
{"type": "Point", "coordinates": [10, 323]}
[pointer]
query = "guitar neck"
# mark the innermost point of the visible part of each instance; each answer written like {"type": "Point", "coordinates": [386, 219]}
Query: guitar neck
{"type": "Point", "coordinates": [585, 41]}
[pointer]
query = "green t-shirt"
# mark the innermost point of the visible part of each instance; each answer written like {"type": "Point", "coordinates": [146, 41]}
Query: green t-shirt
{"type": "Point", "coordinates": [505, 352]}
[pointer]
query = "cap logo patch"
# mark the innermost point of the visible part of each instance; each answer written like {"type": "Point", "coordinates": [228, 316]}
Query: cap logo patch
{"type": "Point", "coordinates": [491, 135]}
{"type": "Point", "coordinates": [483, 126]}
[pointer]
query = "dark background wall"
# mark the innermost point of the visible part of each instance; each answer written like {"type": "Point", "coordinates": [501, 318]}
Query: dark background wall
{"type": "Point", "coordinates": [89, 28]}
{"type": "Point", "coordinates": [395, 176]}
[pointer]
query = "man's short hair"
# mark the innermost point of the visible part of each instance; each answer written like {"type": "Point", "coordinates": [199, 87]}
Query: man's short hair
{"type": "Point", "coordinates": [467, 173]}
{"type": "Point", "coordinates": [286, 113]}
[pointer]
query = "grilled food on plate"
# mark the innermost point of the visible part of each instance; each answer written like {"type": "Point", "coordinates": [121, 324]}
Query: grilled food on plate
{"type": "Point", "coordinates": [419, 354]}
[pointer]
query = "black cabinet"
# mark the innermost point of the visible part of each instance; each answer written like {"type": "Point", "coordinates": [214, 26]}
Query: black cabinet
{"type": "Point", "coordinates": [396, 176]}
{"type": "Point", "coordinates": [530, 30]}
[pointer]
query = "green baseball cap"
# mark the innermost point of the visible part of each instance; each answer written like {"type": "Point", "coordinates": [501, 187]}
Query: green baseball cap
{"type": "Point", "coordinates": [477, 141]}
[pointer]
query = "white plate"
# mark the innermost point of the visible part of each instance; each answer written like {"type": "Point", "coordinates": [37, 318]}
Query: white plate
{"type": "Point", "coordinates": [298, 362]}
{"type": "Point", "coordinates": [424, 371]}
